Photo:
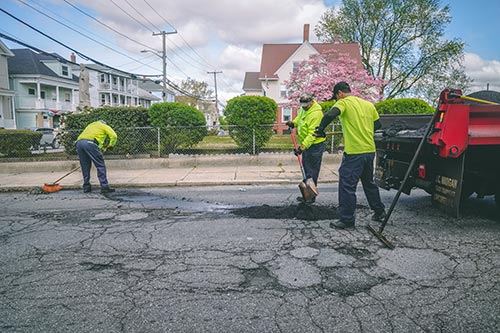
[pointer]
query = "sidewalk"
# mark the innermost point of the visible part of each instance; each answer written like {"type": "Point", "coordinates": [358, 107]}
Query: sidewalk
{"type": "Point", "coordinates": [172, 171]}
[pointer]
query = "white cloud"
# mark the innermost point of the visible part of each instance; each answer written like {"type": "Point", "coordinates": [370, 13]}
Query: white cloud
{"type": "Point", "coordinates": [226, 34]}
{"type": "Point", "coordinates": [483, 72]}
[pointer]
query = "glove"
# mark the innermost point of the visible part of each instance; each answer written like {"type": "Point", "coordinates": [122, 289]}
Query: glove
{"type": "Point", "coordinates": [299, 151]}
{"type": "Point", "coordinates": [319, 132]}
{"type": "Point", "coordinates": [290, 124]}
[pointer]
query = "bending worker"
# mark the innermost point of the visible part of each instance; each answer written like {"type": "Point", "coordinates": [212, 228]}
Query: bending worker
{"type": "Point", "coordinates": [359, 120]}
{"type": "Point", "coordinates": [311, 147]}
{"type": "Point", "coordinates": [90, 146]}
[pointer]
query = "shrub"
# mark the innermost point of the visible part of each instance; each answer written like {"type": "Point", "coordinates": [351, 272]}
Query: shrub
{"type": "Point", "coordinates": [248, 114]}
{"type": "Point", "coordinates": [17, 143]}
{"type": "Point", "coordinates": [181, 125]}
{"type": "Point", "coordinates": [121, 119]}
{"type": "Point", "coordinates": [404, 106]}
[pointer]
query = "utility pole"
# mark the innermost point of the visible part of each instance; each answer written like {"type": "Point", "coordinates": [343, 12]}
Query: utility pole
{"type": "Point", "coordinates": [215, 83]}
{"type": "Point", "coordinates": [164, 58]}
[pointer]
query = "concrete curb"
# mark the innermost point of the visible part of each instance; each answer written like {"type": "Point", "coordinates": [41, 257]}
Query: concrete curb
{"type": "Point", "coordinates": [171, 162]}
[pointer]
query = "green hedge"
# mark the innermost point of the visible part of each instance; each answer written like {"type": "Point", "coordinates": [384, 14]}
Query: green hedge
{"type": "Point", "coordinates": [17, 143]}
{"type": "Point", "coordinates": [404, 106]}
{"type": "Point", "coordinates": [121, 119]}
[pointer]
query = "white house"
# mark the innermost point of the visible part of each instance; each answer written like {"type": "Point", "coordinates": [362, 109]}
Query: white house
{"type": "Point", "coordinates": [7, 115]}
{"type": "Point", "coordinates": [280, 60]}
{"type": "Point", "coordinates": [115, 88]}
{"type": "Point", "coordinates": [45, 87]}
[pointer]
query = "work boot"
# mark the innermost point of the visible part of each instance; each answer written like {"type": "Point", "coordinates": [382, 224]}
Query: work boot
{"type": "Point", "coordinates": [87, 188]}
{"type": "Point", "coordinates": [342, 224]}
{"type": "Point", "coordinates": [309, 201]}
{"type": "Point", "coordinates": [379, 217]}
{"type": "Point", "coordinates": [107, 190]}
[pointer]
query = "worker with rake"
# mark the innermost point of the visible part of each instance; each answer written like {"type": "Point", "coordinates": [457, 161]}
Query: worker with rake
{"type": "Point", "coordinates": [90, 146]}
{"type": "Point", "coordinates": [359, 120]}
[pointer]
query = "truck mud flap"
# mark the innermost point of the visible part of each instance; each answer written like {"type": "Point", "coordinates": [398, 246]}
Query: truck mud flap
{"type": "Point", "coordinates": [448, 185]}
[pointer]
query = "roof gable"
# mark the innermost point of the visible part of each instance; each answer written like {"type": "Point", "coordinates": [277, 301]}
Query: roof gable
{"type": "Point", "coordinates": [25, 61]}
{"type": "Point", "coordinates": [5, 51]}
{"type": "Point", "coordinates": [274, 56]}
{"type": "Point", "coordinates": [251, 81]}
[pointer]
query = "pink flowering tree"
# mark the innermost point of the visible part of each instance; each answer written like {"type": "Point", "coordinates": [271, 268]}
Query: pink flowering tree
{"type": "Point", "coordinates": [318, 75]}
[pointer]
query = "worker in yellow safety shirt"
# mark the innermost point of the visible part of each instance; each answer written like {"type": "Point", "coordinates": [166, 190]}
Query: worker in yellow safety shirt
{"type": "Point", "coordinates": [311, 147]}
{"type": "Point", "coordinates": [90, 146]}
{"type": "Point", "coordinates": [359, 119]}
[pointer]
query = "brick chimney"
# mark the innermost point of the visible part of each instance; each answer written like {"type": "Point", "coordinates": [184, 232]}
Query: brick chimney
{"type": "Point", "coordinates": [306, 32]}
{"type": "Point", "coordinates": [73, 57]}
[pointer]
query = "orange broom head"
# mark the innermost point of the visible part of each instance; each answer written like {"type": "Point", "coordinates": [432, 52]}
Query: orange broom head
{"type": "Point", "coordinates": [51, 188]}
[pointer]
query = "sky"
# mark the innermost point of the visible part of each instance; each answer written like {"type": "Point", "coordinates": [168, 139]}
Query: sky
{"type": "Point", "coordinates": [214, 35]}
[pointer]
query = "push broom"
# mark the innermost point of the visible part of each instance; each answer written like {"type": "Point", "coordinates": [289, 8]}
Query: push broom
{"type": "Point", "coordinates": [55, 187]}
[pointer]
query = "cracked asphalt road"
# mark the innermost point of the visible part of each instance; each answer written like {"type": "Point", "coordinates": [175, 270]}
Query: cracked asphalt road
{"type": "Point", "coordinates": [180, 260]}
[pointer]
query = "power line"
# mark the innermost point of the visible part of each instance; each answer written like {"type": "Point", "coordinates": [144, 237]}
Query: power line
{"type": "Point", "coordinates": [206, 62]}
{"type": "Point", "coordinates": [133, 40]}
{"type": "Point", "coordinates": [138, 12]}
{"type": "Point", "coordinates": [55, 56]}
{"type": "Point", "coordinates": [102, 44]}
{"type": "Point", "coordinates": [133, 18]}
{"type": "Point", "coordinates": [107, 26]}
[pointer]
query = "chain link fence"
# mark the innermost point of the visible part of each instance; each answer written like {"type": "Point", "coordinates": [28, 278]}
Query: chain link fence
{"type": "Point", "coordinates": [146, 142]}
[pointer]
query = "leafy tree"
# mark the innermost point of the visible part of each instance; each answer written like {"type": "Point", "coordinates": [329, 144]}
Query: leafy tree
{"type": "Point", "coordinates": [200, 95]}
{"type": "Point", "coordinates": [318, 75]}
{"type": "Point", "coordinates": [181, 126]}
{"type": "Point", "coordinates": [401, 41]}
{"type": "Point", "coordinates": [249, 115]}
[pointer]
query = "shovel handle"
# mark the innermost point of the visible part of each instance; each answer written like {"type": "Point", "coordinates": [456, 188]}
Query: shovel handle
{"type": "Point", "coordinates": [298, 156]}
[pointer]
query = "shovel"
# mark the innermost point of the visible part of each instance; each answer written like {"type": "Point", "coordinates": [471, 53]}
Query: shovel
{"type": "Point", "coordinates": [307, 188]}
{"type": "Point", "coordinates": [55, 187]}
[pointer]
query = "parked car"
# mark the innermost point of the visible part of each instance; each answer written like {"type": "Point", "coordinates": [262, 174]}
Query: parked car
{"type": "Point", "coordinates": [49, 138]}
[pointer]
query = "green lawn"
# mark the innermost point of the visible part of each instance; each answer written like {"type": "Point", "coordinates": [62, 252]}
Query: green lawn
{"type": "Point", "coordinates": [217, 142]}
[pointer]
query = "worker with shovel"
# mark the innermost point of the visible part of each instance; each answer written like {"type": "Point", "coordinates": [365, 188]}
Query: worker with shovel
{"type": "Point", "coordinates": [311, 148]}
{"type": "Point", "coordinates": [90, 145]}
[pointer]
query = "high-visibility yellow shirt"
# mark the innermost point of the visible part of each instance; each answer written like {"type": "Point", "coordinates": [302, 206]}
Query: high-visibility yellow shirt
{"type": "Point", "coordinates": [99, 131]}
{"type": "Point", "coordinates": [306, 122]}
{"type": "Point", "coordinates": [357, 117]}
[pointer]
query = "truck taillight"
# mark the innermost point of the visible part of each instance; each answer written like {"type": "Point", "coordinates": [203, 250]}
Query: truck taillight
{"type": "Point", "coordinates": [421, 170]}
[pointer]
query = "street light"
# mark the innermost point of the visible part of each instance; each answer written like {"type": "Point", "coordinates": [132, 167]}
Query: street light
{"type": "Point", "coordinates": [163, 57]}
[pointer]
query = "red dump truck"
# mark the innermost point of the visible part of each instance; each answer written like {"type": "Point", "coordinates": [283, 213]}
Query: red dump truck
{"type": "Point", "coordinates": [459, 156]}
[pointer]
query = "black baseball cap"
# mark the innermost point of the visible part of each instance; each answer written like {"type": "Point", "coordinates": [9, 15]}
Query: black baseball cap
{"type": "Point", "coordinates": [341, 86]}
{"type": "Point", "coordinates": [304, 100]}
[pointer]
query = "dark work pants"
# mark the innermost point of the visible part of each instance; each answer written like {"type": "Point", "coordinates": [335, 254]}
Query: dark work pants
{"type": "Point", "coordinates": [88, 152]}
{"type": "Point", "coordinates": [353, 168]}
{"type": "Point", "coordinates": [311, 160]}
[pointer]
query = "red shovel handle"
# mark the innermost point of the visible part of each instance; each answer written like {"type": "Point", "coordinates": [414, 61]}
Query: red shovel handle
{"type": "Point", "coordinates": [299, 157]}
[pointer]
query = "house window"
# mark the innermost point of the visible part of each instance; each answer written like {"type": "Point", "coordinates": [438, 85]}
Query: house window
{"type": "Point", "coordinates": [67, 97]}
{"type": "Point", "coordinates": [42, 94]}
{"type": "Point", "coordinates": [65, 71]}
{"type": "Point", "coordinates": [283, 91]}
{"type": "Point", "coordinates": [31, 91]}
{"type": "Point", "coordinates": [103, 99]}
{"type": "Point", "coordinates": [114, 80]}
{"type": "Point", "coordinates": [295, 66]}
{"type": "Point", "coordinates": [286, 114]}
{"type": "Point", "coordinates": [102, 78]}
